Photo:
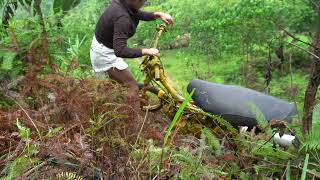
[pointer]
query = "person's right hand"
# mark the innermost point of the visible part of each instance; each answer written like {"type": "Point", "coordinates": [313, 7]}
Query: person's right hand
{"type": "Point", "coordinates": [151, 52]}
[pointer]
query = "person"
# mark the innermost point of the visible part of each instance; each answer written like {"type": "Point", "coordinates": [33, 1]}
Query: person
{"type": "Point", "coordinates": [116, 25]}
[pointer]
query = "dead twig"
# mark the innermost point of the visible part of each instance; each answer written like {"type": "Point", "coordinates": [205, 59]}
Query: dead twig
{"type": "Point", "coordinates": [8, 49]}
{"type": "Point", "coordinates": [34, 169]}
{"type": "Point", "coordinates": [15, 82]}
{"type": "Point", "coordinates": [142, 126]}
{"type": "Point", "coordinates": [293, 36]}
{"type": "Point", "coordinates": [312, 54]}
{"type": "Point", "coordinates": [35, 126]}
{"type": "Point", "coordinates": [65, 131]}
{"type": "Point", "coordinates": [144, 120]}
{"type": "Point", "coordinates": [14, 40]}
{"type": "Point", "coordinates": [12, 95]}
{"type": "Point", "coordinates": [317, 6]}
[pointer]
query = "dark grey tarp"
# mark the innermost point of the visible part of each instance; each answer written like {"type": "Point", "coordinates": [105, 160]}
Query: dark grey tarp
{"type": "Point", "coordinates": [233, 103]}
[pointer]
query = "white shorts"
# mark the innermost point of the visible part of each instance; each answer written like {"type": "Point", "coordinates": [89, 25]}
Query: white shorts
{"type": "Point", "coordinates": [103, 58]}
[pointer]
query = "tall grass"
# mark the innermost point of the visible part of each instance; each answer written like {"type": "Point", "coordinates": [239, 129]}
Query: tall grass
{"type": "Point", "coordinates": [177, 116]}
{"type": "Point", "coordinates": [305, 168]}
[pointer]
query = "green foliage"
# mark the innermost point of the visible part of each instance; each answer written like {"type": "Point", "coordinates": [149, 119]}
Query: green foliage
{"type": "Point", "coordinates": [311, 142]}
{"type": "Point", "coordinates": [192, 166]}
{"type": "Point", "coordinates": [53, 131]}
{"type": "Point", "coordinates": [20, 164]}
{"type": "Point", "coordinates": [7, 62]}
{"type": "Point", "coordinates": [225, 35]}
{"type": "Point", "coordinates": [305, 167]}
{"type": "Point", "coordinates": [192, 163]}
{"type": "Point", "coordinates": [316, 114]}
{"type": "Point", "coordinates": [98, 122]}
{"type": "Point", "coordinates": [64, 5]}
{"type": "Point", "coordinates": [177, 116]}
{"type": "Point", "coordinates": [265, 172]}
{"type": "Point", "coordinates": [24, 132]}
{"type": "Point", "coordinates": [262, 122]}
{"type": "Point", "coordinates": [153, 155]}
{"type": "Point", "coordinates": [74, 47]}
{"type": "Point", "coordinates": [244, 176]}
{"type": "Point", "coordinates": [288, 171]}
{"type": "Point", "coordinates": [267, 151]}
{"type": "Point", "coordinates": [213, 142]}
{"type": "Point", "coordinates": [16, 168]}
{"type": "Point", "coordinates": [81, 32]}
{"type": "Point", "coordinates": [233, 26]}
{"type": "Point", "coordinates": [10, 66]}
{"type": "Point", "coordinates": [185, 158]}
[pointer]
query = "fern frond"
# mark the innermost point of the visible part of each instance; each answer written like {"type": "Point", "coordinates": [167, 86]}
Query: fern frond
{"type": "Point", "coordinates": [316, 114]}
{"type": "Point", "coordinates": [261, 120]}
{"type": "Point", "coordinates": [305, 168]}
{"type": "Point", "coordinates": [185, 158]}
{"type": "Point", "coordinates": [223, 122]}
{"type": "Point", "coordinates": [68, 176]}
{"type": "Point", "coordinates": [213, 142]}
{"type": "Point", "coordinates": [312, 142]}
{"type": "Point", "coordinates": [8, 58]}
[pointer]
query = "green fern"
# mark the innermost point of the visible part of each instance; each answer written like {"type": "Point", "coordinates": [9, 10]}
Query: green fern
{"type": "Point", "coordinates": [222, 122]}
{"type": "Point", "coordinates": [312, 142]}
{"type": "Point", "coordinates": [305, 168]}
{"type": "Point", "coordinates": [192, 166]}
{"type": "Point", "coordinates": [213, 142]}
{"type": "Point", "coordinates": [316, 114]}
{"type": "Point", "coordinates": [186, 159]}
{"type": "Point", "coordinates": [24, 132]}
{"type": "Point", "coordinates": [261, 120]}
{"type": "Point", "coordinates": [15, 168]}
{"type": "Point", "coordinates": [288, 171]}
{"type": "Point", "coordinates": [7, 63]}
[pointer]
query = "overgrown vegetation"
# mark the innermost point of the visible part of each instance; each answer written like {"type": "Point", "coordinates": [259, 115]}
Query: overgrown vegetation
{"type": "Point", "coordinates": [58, 121]}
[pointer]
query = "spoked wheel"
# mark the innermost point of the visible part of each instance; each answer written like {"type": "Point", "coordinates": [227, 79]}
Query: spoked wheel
{"type": "Point", "coordinates": [152, 97]}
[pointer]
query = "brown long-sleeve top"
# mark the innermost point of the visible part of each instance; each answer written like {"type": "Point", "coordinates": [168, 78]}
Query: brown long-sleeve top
{"type": "Point", "coordinates": [117, 24]}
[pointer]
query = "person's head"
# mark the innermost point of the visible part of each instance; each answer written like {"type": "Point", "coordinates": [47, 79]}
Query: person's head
{"type": "Point", "coordinates": [136, 4]}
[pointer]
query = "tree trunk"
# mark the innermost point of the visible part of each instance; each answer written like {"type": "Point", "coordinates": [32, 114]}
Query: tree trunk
{"type": "Point", "coordinates": [314, 82]}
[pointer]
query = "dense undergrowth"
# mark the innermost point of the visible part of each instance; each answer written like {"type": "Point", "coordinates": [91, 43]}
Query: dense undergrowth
{"type": "Point", "coordinates": [57, 121]}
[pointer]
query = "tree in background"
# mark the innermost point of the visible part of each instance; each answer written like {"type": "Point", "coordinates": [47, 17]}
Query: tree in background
{"type": "Point", "coordinates": [59, 6]}
{"type": "Point", "coordinates": [314, 81]}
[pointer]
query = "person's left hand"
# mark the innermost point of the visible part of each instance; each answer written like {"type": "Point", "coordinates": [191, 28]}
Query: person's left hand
{"type": "Point", "coordinates": [166, 18]}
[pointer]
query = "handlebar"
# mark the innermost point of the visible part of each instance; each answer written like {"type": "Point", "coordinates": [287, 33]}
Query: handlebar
{"type": "Point", "coordinates": [162, 28]}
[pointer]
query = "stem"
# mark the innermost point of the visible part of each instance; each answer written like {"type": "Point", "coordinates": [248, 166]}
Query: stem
{"type": "Point", "coordinates": [44, 34]}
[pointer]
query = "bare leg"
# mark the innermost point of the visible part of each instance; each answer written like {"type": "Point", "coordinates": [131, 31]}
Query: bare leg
{"type": "Point", "coordinates": [126, 78]}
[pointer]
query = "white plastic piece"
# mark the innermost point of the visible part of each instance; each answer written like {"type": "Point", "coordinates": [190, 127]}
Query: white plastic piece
{"type": "Point", "coordinates": [285, 141]}
{"type": "Point", "coordinates": [243, 129]}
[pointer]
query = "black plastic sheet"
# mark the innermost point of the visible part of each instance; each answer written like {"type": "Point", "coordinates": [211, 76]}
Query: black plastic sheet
{"type": "Point", "coordinates": [233, 103]}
